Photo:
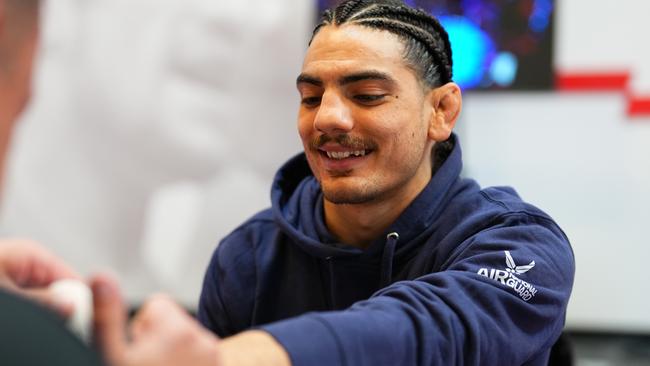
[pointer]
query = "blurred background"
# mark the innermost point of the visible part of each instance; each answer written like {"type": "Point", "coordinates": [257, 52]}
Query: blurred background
{"type": "Point", "coordinates": [157, 125]}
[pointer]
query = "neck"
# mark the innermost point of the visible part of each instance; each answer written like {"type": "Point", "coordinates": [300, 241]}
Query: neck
{"type": "Point", "coordinates": [360, 224]}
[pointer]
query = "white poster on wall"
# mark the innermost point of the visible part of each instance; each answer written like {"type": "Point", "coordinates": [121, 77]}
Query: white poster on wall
{"type": "Point", "coordinates": [155, 129]}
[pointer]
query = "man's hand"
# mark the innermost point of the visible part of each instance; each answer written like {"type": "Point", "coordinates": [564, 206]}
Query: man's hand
{"type": "Point", "coordinates": [27, 268]}
{"type": "Point", "coordinates": [161, 333]}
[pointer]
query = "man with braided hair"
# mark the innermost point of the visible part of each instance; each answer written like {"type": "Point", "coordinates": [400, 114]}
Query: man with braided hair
{"type": "Point", "coordinates": [375, 251]}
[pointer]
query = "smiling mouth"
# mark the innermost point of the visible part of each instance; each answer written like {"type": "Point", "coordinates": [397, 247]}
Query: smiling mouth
{"type": "Point", "coordinates": [340, 155]}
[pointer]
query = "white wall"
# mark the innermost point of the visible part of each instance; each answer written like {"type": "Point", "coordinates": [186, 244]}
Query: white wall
{"type": "Point", "coordinates": [604, 36]}
{"type": "Point", "coordinates": [155, 129]}
{"type": "Point", "coordinates": [579, 158]}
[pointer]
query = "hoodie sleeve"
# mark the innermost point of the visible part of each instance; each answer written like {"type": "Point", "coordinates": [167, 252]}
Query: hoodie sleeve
{"type": "Point", "coordinates": [499, 299]}
{"type": "Point", "coordinates": [212, 312]}
{"type": "Point", "coordinates": [231, 270]}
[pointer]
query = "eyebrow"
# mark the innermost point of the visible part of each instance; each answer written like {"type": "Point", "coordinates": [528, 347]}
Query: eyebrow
{"type": "Point", "coordinates": [307, 79]}
{"type": "Point", "coordinates": [347, 79]}
{"type": "Point", "coordinates": [365, 75]}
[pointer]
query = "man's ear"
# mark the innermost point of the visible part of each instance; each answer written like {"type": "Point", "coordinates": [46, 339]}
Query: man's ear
{"type": "Point", "coordinates": [447, 102]}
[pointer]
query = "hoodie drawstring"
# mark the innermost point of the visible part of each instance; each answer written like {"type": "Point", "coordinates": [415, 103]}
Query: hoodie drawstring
{"type": "Point", "coordinates": [387, 259]}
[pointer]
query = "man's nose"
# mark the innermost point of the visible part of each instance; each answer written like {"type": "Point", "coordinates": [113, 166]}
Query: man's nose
{"type": "Point", "coordinates": [333, 114]}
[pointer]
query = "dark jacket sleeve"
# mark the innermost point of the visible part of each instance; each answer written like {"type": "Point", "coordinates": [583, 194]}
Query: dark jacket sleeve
{"type": "Point", "coordinates": [231, 270]}
{"type": "Point", "coordinates": [211, 312]}
{"type": "Point", "coordinates": [489, 304]}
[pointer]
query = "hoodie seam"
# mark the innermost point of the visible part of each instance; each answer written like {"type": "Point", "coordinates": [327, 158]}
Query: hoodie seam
{"type": "Point", "coordinates": [523, 211]}
{"type": "Point", "coordinates": [220, 297]}
{"type": "Point", "coordinates": [510, 211]}
{"type": "Point", "coordinates": [495, 201]}
{"type": "Point", "coordinates": [490, 227]}
{"type": "Point", "coordinates": [257, 281]}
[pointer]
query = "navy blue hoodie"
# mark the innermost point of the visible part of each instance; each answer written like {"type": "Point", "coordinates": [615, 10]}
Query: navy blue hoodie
{"type": "Point", "coordinates": [465, 276]}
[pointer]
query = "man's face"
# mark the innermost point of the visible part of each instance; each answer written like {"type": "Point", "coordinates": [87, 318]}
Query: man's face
{"type": "Point", "coordinates": [364, 116]}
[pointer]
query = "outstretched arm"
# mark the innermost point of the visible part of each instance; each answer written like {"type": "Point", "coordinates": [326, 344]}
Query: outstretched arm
{"type": "Point", "coordinates": [473, 311]}
{"type": "Point", "coordinates": [499, 297]}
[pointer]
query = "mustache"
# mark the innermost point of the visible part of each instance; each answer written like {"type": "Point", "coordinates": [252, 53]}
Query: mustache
{"type": "Point", "coordinates": [345, 140]}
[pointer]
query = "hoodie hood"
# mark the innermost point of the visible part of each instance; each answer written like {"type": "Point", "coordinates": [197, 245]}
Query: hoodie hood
{"type": "Point", "coordinates": [297, 205]}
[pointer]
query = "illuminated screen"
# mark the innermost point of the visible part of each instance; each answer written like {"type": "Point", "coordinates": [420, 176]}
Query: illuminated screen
{"type": "Point", "coordinates": [496, 44]}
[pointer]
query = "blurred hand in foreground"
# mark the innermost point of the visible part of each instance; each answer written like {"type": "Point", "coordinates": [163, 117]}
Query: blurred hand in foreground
{"type": "Point", "coordinates": [161, 333]}
{"type": "Point", "coordinates": [27, 268]}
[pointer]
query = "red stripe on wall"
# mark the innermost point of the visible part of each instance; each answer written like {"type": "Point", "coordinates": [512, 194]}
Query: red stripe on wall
{"type": "Point", "coordinates": [592, 81]}
{"type": "Point", "coordinates": [638, 106]}
{"type": "Point", "coordinates": [595, 81]}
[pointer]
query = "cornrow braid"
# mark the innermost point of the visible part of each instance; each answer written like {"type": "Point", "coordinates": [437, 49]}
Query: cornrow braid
{"type": "Point", "coordinates": [345, 10]}
{"type": "Point", "coordinates": [427, 46]}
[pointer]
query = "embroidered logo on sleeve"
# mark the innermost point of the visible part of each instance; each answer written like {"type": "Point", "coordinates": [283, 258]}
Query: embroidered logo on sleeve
{"type": "Point", "coordinates": [508, 277]}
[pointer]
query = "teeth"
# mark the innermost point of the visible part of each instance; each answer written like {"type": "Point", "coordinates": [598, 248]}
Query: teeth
{"type": "Point", "coordinates": [344, 154]}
